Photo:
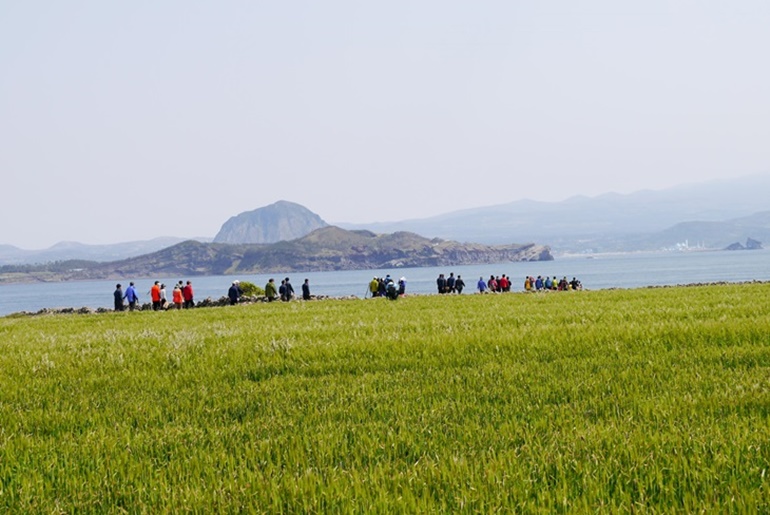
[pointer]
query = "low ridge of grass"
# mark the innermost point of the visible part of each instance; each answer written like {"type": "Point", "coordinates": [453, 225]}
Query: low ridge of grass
{"type": "Point", "coordinates": [626, 400]}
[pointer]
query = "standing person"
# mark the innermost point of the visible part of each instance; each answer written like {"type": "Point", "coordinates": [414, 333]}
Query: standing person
{"type": "Point", "coordinates": [441, 283]}
{"type": "Point", "coordinates": [492, 284]}
{"type": "Point", "coordinates": [131, 296]}
{"type": "Point", "coordinates": [402, 286]}
{"type": "Point", "coordinates": [391, 291]}
{"type": "Point", "coordinates": [118, 294]}
{"type": "Point", "coordinates": [177, 296]}
{"type": "Point", "coordinates": [163, 299]}
{"type": "Point", "coordinates": [450, 283]}
{"type": "Point", "coordinates": [459, 284]}
{"type": "Point", "coordinates": [306, 290]}
{"type": "Point", "coordinates": [187, 294]}
{"type": "Point", "coordinates": [374, 286]}
{"type": "Point", "coordinates": [270, 291]}
{"type": "Point", "coordinates": [481, 285]}
{"type": "Point", "coordinates": [155, 296]}
{"type": "Point", "coordinates": [235, 292]}
{"type": "Point", "coordinates": [288, 290]}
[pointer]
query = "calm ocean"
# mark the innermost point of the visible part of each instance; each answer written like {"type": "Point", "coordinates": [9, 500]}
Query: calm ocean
{"type": "Point", "coordinates": [595, 272]}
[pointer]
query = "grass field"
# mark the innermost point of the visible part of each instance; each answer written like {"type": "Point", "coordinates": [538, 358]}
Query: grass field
{"type": "Point", "coordinates": [650, 400]}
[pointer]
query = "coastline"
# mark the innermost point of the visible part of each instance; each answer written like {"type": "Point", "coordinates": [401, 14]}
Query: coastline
{"type": "Point", "coordinates": [225, 302]}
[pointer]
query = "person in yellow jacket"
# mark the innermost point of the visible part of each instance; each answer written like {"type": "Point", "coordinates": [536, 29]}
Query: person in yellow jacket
{"type": "Point", "coordinates": [374, 287]}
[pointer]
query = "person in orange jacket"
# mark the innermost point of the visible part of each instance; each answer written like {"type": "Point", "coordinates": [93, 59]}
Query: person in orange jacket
{"type": "Point", "coordinates": [177, 297]}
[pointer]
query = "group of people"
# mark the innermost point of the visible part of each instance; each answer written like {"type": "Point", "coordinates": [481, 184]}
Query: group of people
{"type": "Point", "coordinates": [499, 284]}
{"type": "Point", "coordinates": [182, 296]}
{"type": "Point", "coordinates": [284, 292]}
{"type": "Point", "coordinates": [387, 287]}
{"type": "Point", "coordinates": [503, 283]}
{"type": "Point", "coordinates": [546, 283]}
{"type": "Point", "coordinates": [450, 284]}
{"type": "Point", "coordinates": [495, 284]}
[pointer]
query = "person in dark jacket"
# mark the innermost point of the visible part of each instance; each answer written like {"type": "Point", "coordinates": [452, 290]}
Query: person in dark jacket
{"type": "Point", "coordinates": [450, 283]}
{"type": "Point", "coordinates": [306, 290]}
{"type": "Point", "coordinates": [235, 293]}
{"type": "Point", "coordinates": [288, 290]}
{"type": "Point", "coordinates": [118, 294]}
{"type": "Point", "coordinates": [441, 283]}
{"type": "Point", "coordinates": [459, 284]}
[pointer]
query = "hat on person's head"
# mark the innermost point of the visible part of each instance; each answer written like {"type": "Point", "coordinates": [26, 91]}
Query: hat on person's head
{"type": "Point", "coordinates": [236, 282]}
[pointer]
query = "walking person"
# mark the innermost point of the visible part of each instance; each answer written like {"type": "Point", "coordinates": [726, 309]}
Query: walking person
{"type": "Point", "coordinates": [235, 292]}
{"type": "Point", "coordinates": [187, 295]}
{"type": "Point", "coordinates": [450, 283]}
{"type": "Point", "coordinates": [155, 296]}
{"type": "Point", "coordinates": [306, 290]}
{"type": "Point", "coordinates": [459, 284]}
{"type": "Point", "coordinates": [441, 283]}
{"type": "Point", "coordinates": [270, 291]}
{"type": "Point", "coordinates": [118, 294]}
{"type": "Point", "coordinates": [131, 296]}
{"type": "Point", "coordinates": [177, 297]}
{"type": "Point", "coordinates": [288, 290]}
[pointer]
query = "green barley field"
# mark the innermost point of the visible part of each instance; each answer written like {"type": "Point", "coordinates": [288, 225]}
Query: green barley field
{"type": "Point", "coordinates": [648, 400]}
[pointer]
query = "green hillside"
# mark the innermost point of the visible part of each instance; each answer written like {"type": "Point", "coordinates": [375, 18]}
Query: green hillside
{"type": "Point", "coordinates": [649, 400]}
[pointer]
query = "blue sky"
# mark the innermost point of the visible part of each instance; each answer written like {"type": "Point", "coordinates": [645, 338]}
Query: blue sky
{"type": "Point", "coordinates": [127, 121]}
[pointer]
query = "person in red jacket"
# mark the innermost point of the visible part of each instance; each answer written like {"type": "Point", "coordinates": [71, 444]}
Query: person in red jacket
{"type": "Point", "coordinates": [187, 293]}
{"type": "Point", "coordinates": [155, 296]}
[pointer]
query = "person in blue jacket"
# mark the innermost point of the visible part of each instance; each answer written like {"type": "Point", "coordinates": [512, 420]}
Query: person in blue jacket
{"type": "Point", "coordinates": [131, 296]}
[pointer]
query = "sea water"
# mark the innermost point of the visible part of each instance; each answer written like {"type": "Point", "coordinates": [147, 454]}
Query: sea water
{"type": "Point", "coordinates": [600, 271]}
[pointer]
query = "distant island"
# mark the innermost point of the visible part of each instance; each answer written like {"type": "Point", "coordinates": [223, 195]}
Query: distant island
{"type": "Point", "coordinates": [751, 244]}
{"type": "Point", "coordinates": [326, 249]}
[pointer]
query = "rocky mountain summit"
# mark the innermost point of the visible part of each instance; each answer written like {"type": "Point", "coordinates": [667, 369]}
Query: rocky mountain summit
{"type": "Point", "coordinates": [281, 221]}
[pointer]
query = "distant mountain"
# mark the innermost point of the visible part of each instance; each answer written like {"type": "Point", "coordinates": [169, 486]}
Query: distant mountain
{"type": "Point", "coordinates": [328, 248]}
{"type": "Point", "coordinates": [65, 251]}
{"type": "Point", "coordinates": [607, 222]}
{"type": "Point", "coordinates": [281, 221]}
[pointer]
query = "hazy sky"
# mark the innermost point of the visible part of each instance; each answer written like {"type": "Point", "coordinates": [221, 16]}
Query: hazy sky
{"type": "Point", "coordinates": [130, 120]}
